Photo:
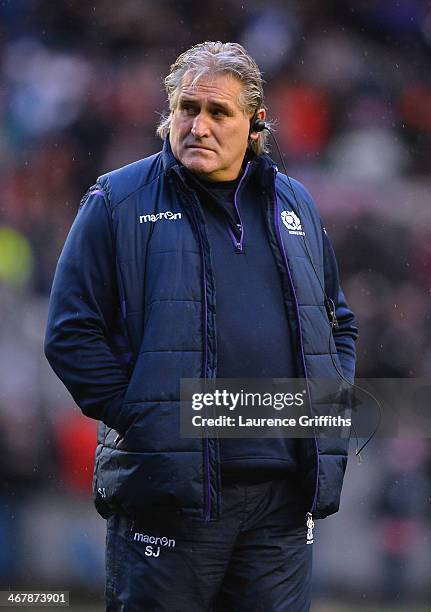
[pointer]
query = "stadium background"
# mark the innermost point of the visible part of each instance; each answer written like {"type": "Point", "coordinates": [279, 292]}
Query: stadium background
{"type": "Point", "coordinates": [349, 85]}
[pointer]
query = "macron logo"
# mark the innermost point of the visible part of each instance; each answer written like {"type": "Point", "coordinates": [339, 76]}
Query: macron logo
{"type": "Point", "coordinates": [163, 215]}
{"type": "Point", "coordinates": [149, 539]}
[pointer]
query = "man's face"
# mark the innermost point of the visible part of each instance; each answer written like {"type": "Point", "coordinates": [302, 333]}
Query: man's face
{"type": "Point", "coordinates": [209, 130]}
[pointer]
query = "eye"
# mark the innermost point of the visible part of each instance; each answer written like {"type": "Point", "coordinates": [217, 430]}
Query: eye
{"type": "Point", "coordinates": [217, 112]}
{"type": "Point", "coordinates": [188, 109]}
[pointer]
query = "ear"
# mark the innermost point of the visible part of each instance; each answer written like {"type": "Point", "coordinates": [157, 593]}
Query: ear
{"type": "Point", "coordinates": [260, 114]}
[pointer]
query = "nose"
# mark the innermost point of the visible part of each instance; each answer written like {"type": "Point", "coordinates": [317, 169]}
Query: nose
{"type": "Point", "coordinates": [200, 127]}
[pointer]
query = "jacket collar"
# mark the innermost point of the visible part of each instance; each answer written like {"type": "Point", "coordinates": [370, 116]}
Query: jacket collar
{"type": "Point", "coordinates": [262, 165]}
{"type": "Point", "coordinates": [168, 159]}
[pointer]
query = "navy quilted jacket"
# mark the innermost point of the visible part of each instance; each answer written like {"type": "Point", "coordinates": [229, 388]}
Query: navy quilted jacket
{"type": "Point", "coordinates": [132, 311]}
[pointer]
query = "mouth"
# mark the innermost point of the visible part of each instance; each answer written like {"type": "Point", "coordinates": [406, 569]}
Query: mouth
{"type": "Point", "coordinates": [199, 147]}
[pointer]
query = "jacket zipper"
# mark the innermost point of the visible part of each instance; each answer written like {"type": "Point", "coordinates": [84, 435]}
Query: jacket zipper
{"type": "Point", "coordinates": [207, 512]}
{"type": "Point", "coordinates": [207, 508]}
{"type": "Point", "coordinates": [239, 244]}
{"type": "Point", "coordinates": [309, 515]}
{"type": "Point", "coordinates": [187, 191]}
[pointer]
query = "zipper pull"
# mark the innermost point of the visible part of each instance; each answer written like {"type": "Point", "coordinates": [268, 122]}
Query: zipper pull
{"type": "Point", "coordinates": [238, 244]}
{"type": "Point", "coordinates": [310, 527]}
{"type": "Point", "coordinates": [117, 439]}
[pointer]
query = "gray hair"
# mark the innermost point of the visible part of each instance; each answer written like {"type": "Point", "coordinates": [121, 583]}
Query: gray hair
{"type": "Point", "coordinates": [217, 57]}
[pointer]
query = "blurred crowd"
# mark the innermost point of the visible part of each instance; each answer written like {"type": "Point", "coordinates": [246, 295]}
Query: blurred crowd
{"type": "Point", "coordinates": [81, 92]}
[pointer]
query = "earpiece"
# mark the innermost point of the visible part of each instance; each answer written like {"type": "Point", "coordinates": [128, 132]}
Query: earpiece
{"type": "Point", "coordinates": [256, 124]}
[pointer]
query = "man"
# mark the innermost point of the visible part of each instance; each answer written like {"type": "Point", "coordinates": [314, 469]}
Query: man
{"type": "Point", "coordinates": [182, 265]}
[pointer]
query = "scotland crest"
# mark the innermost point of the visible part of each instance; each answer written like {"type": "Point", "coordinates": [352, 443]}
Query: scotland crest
{"type": "Point", "coordinates": [292, 222]}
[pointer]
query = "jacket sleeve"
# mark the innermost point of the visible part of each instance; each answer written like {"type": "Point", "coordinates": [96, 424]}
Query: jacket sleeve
{"type": "Point", "coordinates": [82, 311]}
{"type": "Point", "coordinates": [346, 334]}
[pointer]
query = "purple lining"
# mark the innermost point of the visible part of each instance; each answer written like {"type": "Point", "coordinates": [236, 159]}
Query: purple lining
{"type": "Point", "coordinates": [207, 453]}
{"type": "Point", "coordinates": [295, 297]}
{"type": "Point", "coordinates": [120, 341]}
{"type": "Point", "coordinates": [123, 308]}
{"type": "Point", "coordinates": [207, 466]}
{"type": "Point", "coordinates": [237, 210]}
{"type": "Point", "coordinates": [124, 358]}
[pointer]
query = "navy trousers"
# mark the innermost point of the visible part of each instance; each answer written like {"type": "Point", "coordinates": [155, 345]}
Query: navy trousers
{"type": "Point", "coordinates": [255, 558]}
